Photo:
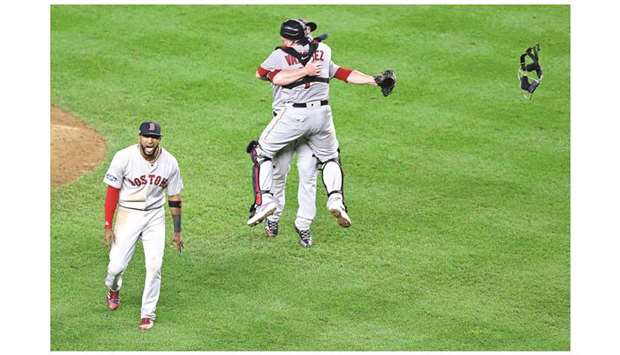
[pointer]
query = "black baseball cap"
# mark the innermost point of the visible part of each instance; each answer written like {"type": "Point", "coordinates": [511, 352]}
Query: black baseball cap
{"type": "Point", "coordinates": [293, 30]}
{"type": "Point", "coordinates": [150, 128]}
{"type": "Point", "coordinates": [311, 25]}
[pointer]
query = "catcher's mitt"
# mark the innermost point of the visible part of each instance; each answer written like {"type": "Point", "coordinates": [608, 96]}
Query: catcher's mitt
{"type": "Point", "coordinates": [387, 81]}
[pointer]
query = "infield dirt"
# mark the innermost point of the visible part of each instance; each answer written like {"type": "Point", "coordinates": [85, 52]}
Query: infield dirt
{"type": "Point", "coordinates": [75, 147]}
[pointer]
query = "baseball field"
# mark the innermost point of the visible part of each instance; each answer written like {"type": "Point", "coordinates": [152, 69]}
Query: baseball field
{"type": "Point", "coordinates": [457, 186]}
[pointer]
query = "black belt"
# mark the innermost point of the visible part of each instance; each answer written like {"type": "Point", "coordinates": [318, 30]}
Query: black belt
{"type": "Point", "coordinates": [323, 103]}
{"type": "Point", "coordinates": [141, 209]}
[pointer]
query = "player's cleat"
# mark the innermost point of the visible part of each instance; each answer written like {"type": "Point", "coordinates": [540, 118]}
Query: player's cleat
{"type": "Point", "coordinates": [305, 237]}
{"type": "Point", "coordinates": [271, 228]}
{"type": "Point", "coordinates": [146, 324]}
{"type": "Point", "coordinates": [338, 211]}
{"type": "Point", "coordinates": [261, 213]}
{"type": "Point", "coordinates": [113, 299]}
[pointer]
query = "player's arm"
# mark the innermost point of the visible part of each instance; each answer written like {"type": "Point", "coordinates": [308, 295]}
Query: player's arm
{"type": "Point", "coordinates": [111, 201]}
{"type": "Point", "coordinates": [357, 77]}
{"type": "Point", "coordinates": [354, 76]}
{"type": "Point", "coordinates": [113, 180]}
{"type": "Point", "coordinates": [174, 202]}
{"type": "Point", "coordinates": [262, 73]}
{"type": "Point", "coordinates": [285, 77]}
{"type": "Point", "coordinates": [386, 80]}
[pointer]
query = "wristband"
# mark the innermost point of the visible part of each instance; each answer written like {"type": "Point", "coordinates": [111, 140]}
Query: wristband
{"type": "Point", "coordinates": [176, 223]}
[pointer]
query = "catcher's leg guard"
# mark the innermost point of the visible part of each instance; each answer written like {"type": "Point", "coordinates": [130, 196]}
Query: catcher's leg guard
{"type": "Point", "coordinates": [533, 86]}
{"type": "Point", "coordinates": [333, 180]}
{"type": "Point", "coordinates": [524, 82]}
{"type": "Point", "coordinates": [528, 86]}
{"type": "Point", "coordinates": [263, 205]}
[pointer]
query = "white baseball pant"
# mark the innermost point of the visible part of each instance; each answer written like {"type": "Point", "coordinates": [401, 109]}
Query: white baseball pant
{"type": "Point", "coordinates": [306, 193]}
{"type": "Point", "coordinates": [130, 226]}
{"type": "Point", "coordinates": [316, 124]}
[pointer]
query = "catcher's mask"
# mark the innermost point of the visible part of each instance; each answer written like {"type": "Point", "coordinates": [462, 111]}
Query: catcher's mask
{"type": "Point", "coordinates": [529, 86]}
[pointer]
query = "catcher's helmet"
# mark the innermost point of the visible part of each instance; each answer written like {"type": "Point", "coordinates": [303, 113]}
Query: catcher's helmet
{"type": "Point", "coordinates": [293, 30]}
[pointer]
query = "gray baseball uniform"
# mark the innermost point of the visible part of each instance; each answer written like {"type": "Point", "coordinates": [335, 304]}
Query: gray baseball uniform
{"type": "Point", "coordinates": [314, 122]}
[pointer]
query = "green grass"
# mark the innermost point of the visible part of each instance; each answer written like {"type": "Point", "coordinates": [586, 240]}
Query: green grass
{"type": "Point", "coordinates": [458, 187]}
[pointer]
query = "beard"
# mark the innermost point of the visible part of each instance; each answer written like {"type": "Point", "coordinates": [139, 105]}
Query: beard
{"type": "Point", "coordinates": [149, 151]}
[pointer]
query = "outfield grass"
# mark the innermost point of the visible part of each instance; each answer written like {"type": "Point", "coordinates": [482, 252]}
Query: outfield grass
{"type": "Point", "coordinates": [458, 187]}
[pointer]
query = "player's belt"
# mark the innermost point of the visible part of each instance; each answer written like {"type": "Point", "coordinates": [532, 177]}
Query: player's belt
{"type": "Point", "coordinates": [311, 104]}
{"type": "Point", "coordinates": [142, 209]}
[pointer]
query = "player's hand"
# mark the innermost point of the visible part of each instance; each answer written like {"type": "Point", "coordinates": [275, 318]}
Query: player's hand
{"type": "Point", "coordinates": [178, 241]}
{"type": "Point", "coordinates": [109, 238]}
{"type": "Point", "coordinates": [313, 69]}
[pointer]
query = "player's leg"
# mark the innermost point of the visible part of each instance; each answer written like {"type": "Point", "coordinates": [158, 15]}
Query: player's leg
{"type": "Point", "coordinates": [285, 127]}
{"type": "Point", "coordinates": [261, 184]}
{"type": "Point", "coordinates": [333, 179]}
{"type": "Point", "coordinates": [153, 241]}
{"type": "Point", "coordinates": [324, 144]}
{"type": "Point", "coordinates": [127, 229]}
{"type": "Point", "coordinates": [281, 167]}
{"type": "Point", "coordinates": [307, 166]}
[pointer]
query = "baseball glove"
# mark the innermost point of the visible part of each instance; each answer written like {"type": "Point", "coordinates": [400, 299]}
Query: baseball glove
{"type": "Point", "coordinates": [387, 81]}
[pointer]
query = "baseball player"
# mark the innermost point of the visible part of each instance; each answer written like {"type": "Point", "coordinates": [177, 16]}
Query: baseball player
{"type": "Point", "coordinates": [137, 179]}
{"type": "Point", "coordinates": [300, 71]}
{"type": "Point", "coordinates": [307, 168]}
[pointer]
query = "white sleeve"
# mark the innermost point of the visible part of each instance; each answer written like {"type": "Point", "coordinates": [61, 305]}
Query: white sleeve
{"type": "Point", "coordinates": [116, 171]}
{"type": "Point", "coordinates": [175, 182]}
{"type": "Point", "coordinates": [271, 62]}
{"type": "Point", "coordinates": [333, 68]}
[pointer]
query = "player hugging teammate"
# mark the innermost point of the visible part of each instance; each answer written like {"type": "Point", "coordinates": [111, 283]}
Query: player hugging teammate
{"type": "Point", "coordinates": [299, 71]}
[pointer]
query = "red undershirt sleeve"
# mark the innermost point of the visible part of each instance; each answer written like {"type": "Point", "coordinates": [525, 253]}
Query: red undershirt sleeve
{"type": "Point", "coordinates": [111, 200]}
{"type": "Point", "coordinates": [343, 73]}
{"type": "Point", "coordinates": [262, 72]}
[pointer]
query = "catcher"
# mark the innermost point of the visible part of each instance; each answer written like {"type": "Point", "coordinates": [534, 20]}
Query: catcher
{"type": "Point", "coordinates": [300, 71]}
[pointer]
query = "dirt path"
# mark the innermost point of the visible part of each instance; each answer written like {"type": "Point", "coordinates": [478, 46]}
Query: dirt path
{"type": "Point", "coordinates": [75, 148]}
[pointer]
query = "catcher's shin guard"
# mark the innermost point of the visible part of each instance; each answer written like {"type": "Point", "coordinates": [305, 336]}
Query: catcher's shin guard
{"type": "Point", "coordinates": [261, 183]}
{"type": "Point", "coordinates": [526, 85]}
{"type": "Point", "coordinates": [333, 178]}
